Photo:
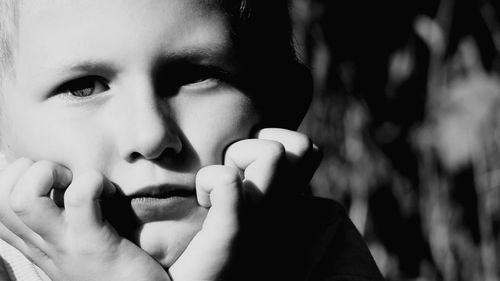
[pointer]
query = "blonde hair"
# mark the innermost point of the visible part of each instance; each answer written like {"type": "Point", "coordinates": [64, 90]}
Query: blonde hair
{"type": "Point", "coordinates": [8, 31]}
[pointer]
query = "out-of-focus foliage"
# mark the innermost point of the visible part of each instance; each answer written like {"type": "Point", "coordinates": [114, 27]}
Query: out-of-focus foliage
{"type": "Point", "coordinates": [407, 110]}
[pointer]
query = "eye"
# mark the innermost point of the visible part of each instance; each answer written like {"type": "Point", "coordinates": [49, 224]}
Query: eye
{"type": "Point", "coordinates": [199, 76]}
{"type": "Point", "coordinates": [83, 87]}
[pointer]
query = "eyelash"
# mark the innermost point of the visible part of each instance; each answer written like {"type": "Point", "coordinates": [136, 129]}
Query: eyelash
{"type": "Point", "coordinates": [83, 87]}
{"type": "Point", "coordinates": [192, 76]}
{"type": "Point", "coordinates": [188, 76]}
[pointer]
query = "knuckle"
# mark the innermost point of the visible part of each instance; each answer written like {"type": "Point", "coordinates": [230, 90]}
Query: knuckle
{"type": "Point", "coordinates": [35, 253]}
{"type": "Point", "coordinates": [30, 207]}
{"type": "Point", "coordinates": [274, 149]}
{"type": "Point", "coordinates": [20, 207]}
{"type": "Point", "coordinates": [219, 175]}
{"type": "Point", "coordinates": [6, 174]}
{"type": "Point", "coordinates": [44, 165]}
{"type": "Point", "coordinates": [228, 176]}
{"type": "Point", "coordinates": [227, 184]}
{"type": "Point", "coordinates": [203, 172]}
{"type": "Point", "coordinates": [43, 168]}
{"type": "Point", "coordinates": [302, 145]}
{"type": "Point", "coordinates": [24, 161]}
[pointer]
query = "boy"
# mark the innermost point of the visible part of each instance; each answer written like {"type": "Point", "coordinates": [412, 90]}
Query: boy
{"type": "Point", "coordinates": [132, 135]}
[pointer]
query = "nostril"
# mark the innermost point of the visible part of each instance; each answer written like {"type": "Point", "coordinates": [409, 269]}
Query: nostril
{"type": "Point", "coordinates": [168, 149]}
{"type": "Point", "coordinates": [171, 151]}
{"type": "Point", "coordinates": [149, 155]}
{"type": "Point", "coordinates": [133, 156]}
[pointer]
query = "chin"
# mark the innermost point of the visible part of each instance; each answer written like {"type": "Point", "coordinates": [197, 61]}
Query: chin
{"type": "Point", "coordinates": [166, 240]}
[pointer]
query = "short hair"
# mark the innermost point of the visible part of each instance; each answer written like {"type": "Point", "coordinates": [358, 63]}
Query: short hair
{"type": "Point", "coordinates": [262, 23]}
{"type": "Point", "coordinates": [278, 82]}
{"type": "Point", "coordinates": [8, 33]}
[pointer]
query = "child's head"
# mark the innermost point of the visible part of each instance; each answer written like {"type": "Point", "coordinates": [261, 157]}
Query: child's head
{"type": "Point", "coordinates": [146, 92]}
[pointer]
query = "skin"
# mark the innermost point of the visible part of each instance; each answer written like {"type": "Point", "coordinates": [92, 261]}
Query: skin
{"type": "Point", "coordinates": [135, 127]}
{"type": "Point", "coordinates": [131, 133]}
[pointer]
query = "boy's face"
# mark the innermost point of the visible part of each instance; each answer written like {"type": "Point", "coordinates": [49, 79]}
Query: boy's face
{"type": "Point", "coordinates": [134, 89]}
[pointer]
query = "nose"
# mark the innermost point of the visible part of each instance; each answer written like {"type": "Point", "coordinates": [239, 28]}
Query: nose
{"type": "Point", "coordinates": [149, 130]}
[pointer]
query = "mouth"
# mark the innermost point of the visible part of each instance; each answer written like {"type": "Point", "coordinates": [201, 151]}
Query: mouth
{"type": "Point", "coordinates": [162, 191]}
{"type": "Point", "coordinates": [162, 202]}
{"type": "Point", "coordinates": [127, 213]}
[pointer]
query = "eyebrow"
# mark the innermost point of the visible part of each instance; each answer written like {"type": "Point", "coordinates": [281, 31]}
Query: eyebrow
{"type": "Point", "coordinates": [197, 54]}
{"type": "Point", "coordinates": [63, 69]}
{"type": "Point", "coordinates": [87, 66]}
{"type": "Point", "coordinates": [192, 54]}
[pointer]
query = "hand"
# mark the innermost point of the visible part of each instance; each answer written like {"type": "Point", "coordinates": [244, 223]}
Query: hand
{"type": "Point", "coordinates": [277, 162]}
{"type": "Point", "coordinates": [73, 243]}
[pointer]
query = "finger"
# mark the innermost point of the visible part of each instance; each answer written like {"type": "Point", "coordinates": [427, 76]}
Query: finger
{"type": "Point", "coordinates": [302, 153]}
{"type": "Point", "coordinates": [8, 179]}
{"type": "Point", "coordinates": [30, 202]}
{"type": "Point", "coordinates": [35, 252]}
{"type": "Point", "coordinates": [12, 229]}
{"type": "Point", "coordinates": [10, 176]}
{"type": "Point", "coordinates": [296, 145]}
{"type": "Point", "coordinates": [10, 221]}
{"type": "Point", "coordinates": [219, 188]}
{"type": "Point", "coordinates": [262, 161]}
{"type": "Point", "coordinates": [81, 200]}
{"type": "Point", "coordinates": [12, 239]}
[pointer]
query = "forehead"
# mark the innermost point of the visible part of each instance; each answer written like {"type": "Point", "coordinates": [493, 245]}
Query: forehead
{"type": "Point", "coordinates": [94, 13]}
{"type": "Point", "coordinates": [62, 30]}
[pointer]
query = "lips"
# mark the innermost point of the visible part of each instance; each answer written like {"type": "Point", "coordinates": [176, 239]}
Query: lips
{"type": "Point", "coordinates": [162, 202]}
{"type": "Point", "coordinates": [127, 213]}
{"type": "Point", "coordinates": [162, 191]}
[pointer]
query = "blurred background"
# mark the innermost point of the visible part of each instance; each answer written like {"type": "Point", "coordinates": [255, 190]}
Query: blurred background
{"type": "Point", "coordinates": [407, 110]}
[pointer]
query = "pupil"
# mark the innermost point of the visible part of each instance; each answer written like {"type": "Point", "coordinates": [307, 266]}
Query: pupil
{"type": "Point", "coordinates": [83, 92]}
{"type": "Point", "coordinates": [82, 87]}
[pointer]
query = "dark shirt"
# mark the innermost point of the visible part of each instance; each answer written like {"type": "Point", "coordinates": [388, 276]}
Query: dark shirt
{"type": "Point", "coordinates": [307, 238]}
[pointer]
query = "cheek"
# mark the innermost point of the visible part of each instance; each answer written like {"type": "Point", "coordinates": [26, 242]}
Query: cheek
{"type": "Point", "coordinates": [210, 129]}
{"type": "Point", "coordinates": [28, 135]}
{"type": "Point", "coordinates": [42, 135]}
